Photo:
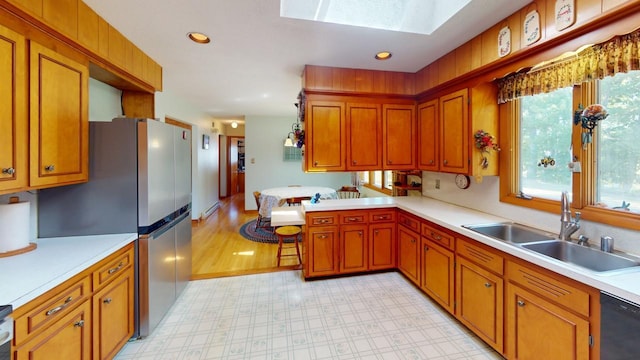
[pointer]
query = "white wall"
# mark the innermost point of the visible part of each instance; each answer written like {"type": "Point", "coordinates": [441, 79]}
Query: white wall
{"type": "Point", "coordinates": [485, 197]}
{"type": "Point", "coordinates": [264, 167]}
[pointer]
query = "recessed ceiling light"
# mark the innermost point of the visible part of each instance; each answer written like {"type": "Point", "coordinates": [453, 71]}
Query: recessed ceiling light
{"type": "Point", "coordinates": [383, 55]}
{"type": "Point", "coordinates": [200, 38]}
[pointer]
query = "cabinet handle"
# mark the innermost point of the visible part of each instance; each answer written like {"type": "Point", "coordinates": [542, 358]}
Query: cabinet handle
{"type": "Point", "coordinates": [107, 300]}
{"type": "Point", "coordinates": [376, 232]}
{"type": "Point", "coordinates": [389, 162]}
{"type": "Point", "coordinates": [426, 248]}
{"type": "Point", "coordinates": [315, 163]}
{"type": "Point", "coordinates": [520, 303]}
{"type": "Point", "coordinates": [79, 323]}
{"type": "Point", "coordinates": [8, 171]}
{"type": "Point", "coordinates": [352, 219]}
{"type": "Point", "coordinates": [112, 270]}
{"type": "Point", "coordinates": [487, 285]}
{"type": "Point", "coordinates": [445, 162]}
{"type": "Point", "coordinates": [322, 236]}
{"type": "Point", "coordinates": [355, 162]}
{"type": "Point", "coordinates": [430, 162]}
{"type": "Point", "coordinates": [360, 233]}
{"type": "Point", "coordinates": [60, 307]}
{"type": "Point", "coordinates": [413, 241]}
{"type": "Point", "coordinates": [49, 167]}
{"type": "Point", "coordinates": [380, 217]}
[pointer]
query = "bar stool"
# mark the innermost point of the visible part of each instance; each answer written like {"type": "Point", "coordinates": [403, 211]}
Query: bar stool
{"type": "Point", "coordinates": [288, 231]}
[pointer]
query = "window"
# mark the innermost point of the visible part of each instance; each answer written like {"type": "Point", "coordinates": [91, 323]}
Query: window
{"type": "Point", "coordinates": [617, 152]}
{"type": "Point", "coordinates": [545, 140]}
{"type": "Point", "coordinates": [381, 181]}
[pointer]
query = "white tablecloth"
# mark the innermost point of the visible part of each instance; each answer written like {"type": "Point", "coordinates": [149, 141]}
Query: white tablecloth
{"type": "Point", "coordinates": [274, 197]}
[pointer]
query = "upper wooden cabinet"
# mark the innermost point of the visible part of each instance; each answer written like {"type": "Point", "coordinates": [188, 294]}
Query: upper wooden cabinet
{"type": "Point", "coordinates": [454, 130]}
{"type": "Point", "coordinates": [364, 136]}
{"type": "Point", "coordinates": [325, 136]}
{"type": "Point", "coordinates": [399, 140]}
{"type": "Point", "coordinates": [58, 118]}
{"type": "Point", "coordinates": [428, 136]}
{"type": "Point", "coordinates": [13, 127]}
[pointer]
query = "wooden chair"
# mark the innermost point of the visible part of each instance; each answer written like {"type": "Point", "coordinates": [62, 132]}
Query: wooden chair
{"type": "Point", "coordinates": [289, 231]}
{"type": "Point", "coordinates": [348, 192]}
{"type": "Point", "coordinates": [296, 201]}
{"type": "Point", "coordinates": [261, 221]}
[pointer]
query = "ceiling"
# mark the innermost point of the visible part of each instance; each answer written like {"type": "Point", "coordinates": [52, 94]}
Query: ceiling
{"type": "Point", "coordinates": [253, 65]}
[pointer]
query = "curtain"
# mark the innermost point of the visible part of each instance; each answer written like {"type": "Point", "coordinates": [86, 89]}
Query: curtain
{"type": "Point", "coordinates": [620, 54]}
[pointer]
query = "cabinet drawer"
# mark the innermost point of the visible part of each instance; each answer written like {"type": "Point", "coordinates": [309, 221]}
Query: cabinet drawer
{"type": "Point", "coordinates": [322, 219]}
{"type": "Point", "coordinates": [353, 217]}
{"type": "Point", "coordinates": [377, 216]}
{"type": "Point", "coordinates": [486, 258]}
{"type": "Point", "coordinates": [409, 221]}
{"type": "Point", "coordinates": [113, 266]}
{"type": "Point", "coordinates": [54, 305]}
{"type": "Point", "coordinates": [549, 287]}
{"type": "Point", "coordinates": [437, 236]}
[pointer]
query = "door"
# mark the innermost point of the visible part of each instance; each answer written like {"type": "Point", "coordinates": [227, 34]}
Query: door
{"type": "Point", "coordinates": [182, 152]}
{"type": "Point", "coordinates": [364, 137]}
{"type": "Point", "coordinates": [437, 273]}
{"type": "Point", "coordinates": [325, 136]}
{"type": "Point", "coordinates": [399, 128]}
{"type": "Point", "coordinates": [353, 248]}
{"type": "Point", "coordinates": [408, 254]}
{"type": "Point", "coordinates": [183, 253]}
{"type": "Point", "coordinates": [322, 251]}
{"type": "Point", "coordinates": [233, 165]}
{"type": "Point", "coordinates": [428, 136]}
{"type": "Point", "coordinates": [382, 246]}
{"type": "Point", "coordinates": [454, 129]}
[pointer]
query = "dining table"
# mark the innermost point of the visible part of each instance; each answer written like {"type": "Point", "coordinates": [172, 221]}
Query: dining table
{"type": "Point", "coordinates": [275, 197]}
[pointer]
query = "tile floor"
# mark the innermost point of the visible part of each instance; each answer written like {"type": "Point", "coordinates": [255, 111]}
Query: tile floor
{"type": "Point", "coordinates": [281, 316]}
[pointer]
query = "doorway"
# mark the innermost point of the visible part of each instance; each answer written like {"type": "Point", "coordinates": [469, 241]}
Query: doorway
{"type": "Point", "coordinates": [235, 165]}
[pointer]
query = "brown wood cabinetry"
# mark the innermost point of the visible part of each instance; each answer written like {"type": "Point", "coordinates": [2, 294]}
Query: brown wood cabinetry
{"type": "Point", "coordinates": [409, 246]}
{"type": "Point", "coordinates": [325, 136]}
{"type": "Point", "coordinates": [321, 251]}
{"type": "Point", "coordinates": [364, 136]}
{"type": "Point", "coordinates": [353, 248]}
{"type": "Point", "coordinates": [480, 291]}
{"type": "Point", "coordinates": [73, 321]}
{"type": "Point", "coordinates": [382, 239]}
{"type": "Point", "coordinates": [428, 136]}
{"type": "Point", "coordinates": [544, 308]}
{"type": "Point", "coordinates": [59, 119]}
{"type": "Point", "coordinates": [13, 127]}
{"type": "Point", "coordinates": [399, 140]}
{"type": "Point", "coordinates": [454, 132]}
{"type": "Point", "coordinates": [437, 273]}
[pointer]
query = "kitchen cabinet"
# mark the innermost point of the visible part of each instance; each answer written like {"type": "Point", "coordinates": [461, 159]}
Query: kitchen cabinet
{"type": "Point", "coordinates": [446, 126]}
{"type": "Point", "coordinates": [480, 291]}
{"type": "Point", "coordinates": [58, 119]}
{"type": "Point", "coordinates": [382, 239]}
{"type": "Point", "coordinates": [325, 134]}
{"type": "Point", "coordinates": [353, 248]}
{"type": "Point", "coordinates": [13, 127]}
{"type": "Point", "coordinates": [91, 313]}
{"type": "Point", "coordinates": [437, 265]}
{"type": "Point", "coordinates": [364, 136]}
{"type": "Point", "coordinates": [409, 246]}
{"type": "Point", "coordinates": [321, 251]}
{"type": "Point", "coordinates": [428, 136]}
{"type": "Point", "coordinates": [399, 140]}
{"type": "Point", "coordinates": [543, 308]}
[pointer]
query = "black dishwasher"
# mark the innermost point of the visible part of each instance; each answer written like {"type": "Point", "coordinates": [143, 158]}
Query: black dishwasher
{"type": "Point", "coordinates": [619, 328]}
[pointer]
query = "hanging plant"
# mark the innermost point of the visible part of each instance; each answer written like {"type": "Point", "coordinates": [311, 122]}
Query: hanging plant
{"type": "Point", "coordinates": [485, 142]}
{"type": "Point", "coordinates": [299, 140]}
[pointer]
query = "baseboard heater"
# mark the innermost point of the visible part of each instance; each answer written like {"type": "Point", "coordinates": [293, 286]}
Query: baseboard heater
{"type": "Point", "coordinates": [209, 211]}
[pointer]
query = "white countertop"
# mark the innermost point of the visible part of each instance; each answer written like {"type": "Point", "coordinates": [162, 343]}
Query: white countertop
{"type": "Point", "coordinates": [27, 276]}
{"type": "Point", "coordinates": [624, 283]}
{"type": "Point", "coordinates": [287, 215]}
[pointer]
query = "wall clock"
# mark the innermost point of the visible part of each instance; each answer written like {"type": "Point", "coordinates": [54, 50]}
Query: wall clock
{"type": "Point", "coordinates": [462, 181]}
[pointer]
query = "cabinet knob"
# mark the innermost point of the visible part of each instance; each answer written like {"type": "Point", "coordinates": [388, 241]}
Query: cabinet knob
{"type": "Point", "coordinates": [8, 171]}
{"type": "Point", "coordinates": [413, 241]}
{"type": "Point", "coordinates": [389, 162]}
{"type": "Point", "coordinates": [107, 301]}
{"type": "Point", "coordinates": [426, 248]}
{"type": "Point", "coordinates": [315, 163]}
{"type": "Point", "coordinates": [360, 233]}
{"type": "Point", "coordinates": [376, 232]}
{"type": "Point", "coordinates": [49, 167]}
{"type": "Point", "coordinates": [430, 162]}
{"type": "Point", "coordinates": [521, 303]}
{"type": "Point", "coordinates": [445, 162]}
{"type": "Point", "coordinates": [355, 162]}
{"type": "Point", "coordinates": [79, 323]}
{"type": "Point", "coordinates": [487, 285]}
{"type": "Point", "coordinates": [322, 236]}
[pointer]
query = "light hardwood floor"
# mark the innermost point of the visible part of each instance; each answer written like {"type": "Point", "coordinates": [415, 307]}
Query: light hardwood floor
{"type": "Point", "coordinates": [219, 250]}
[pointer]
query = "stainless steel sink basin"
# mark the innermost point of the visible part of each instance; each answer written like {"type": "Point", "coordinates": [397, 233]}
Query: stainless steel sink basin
{"type": "Point", "coordinates": [511, 232]}
{"type": "Point", "coordinates": [583, 256]}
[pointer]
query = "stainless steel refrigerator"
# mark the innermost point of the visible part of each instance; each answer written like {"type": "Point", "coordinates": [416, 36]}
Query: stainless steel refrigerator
{"type": "Point", "coordinates": [139, 181]}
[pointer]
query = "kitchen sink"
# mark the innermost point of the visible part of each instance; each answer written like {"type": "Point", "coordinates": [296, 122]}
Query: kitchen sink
{"type": "Point", "coordinates": [511, 232]}
{"type": "Point", "coordinates": [583, 256]}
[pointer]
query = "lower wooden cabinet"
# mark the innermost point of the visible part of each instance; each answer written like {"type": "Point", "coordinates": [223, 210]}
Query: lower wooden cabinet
{"type": "Point", "coordinates": [353, 248]}
{"type": "Point", "coordinates": [382, 246]}
{"type": "Point", "coordinates": [409, 253]}
{"type": "Point", "coordinates": [72, 321]}
{"type": "Point", "coordinates": [437, 273]}
{"type": "Point", "coordinates": [321, 251]}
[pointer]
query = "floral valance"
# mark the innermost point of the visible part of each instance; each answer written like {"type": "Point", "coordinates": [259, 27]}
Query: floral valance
{"type": "Point", "coordinates": [620, 54]}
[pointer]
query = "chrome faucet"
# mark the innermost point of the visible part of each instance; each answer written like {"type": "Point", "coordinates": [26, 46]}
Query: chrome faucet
{"type": "Point", "coordinates": [567, 225]}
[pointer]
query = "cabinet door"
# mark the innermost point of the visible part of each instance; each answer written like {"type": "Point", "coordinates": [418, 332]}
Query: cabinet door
{"type": "Point", "coordinates": [353, 248]}
{"type": "Point", "coordinates": [428, 136]}
{"type": "Point", "coordinates": [68, 338]}
{"type": "Point", "coordinates": [454, 132]}
{"type": "Point", "coordinates": [437, 273]}
{"type": "Point", "coordinates": [364, 137]}
{"type": "Point", "coordinates": [382, 246]}
{"type": "Point", "coordinates": [408, 253]}
{"type": "Point", "coordinates": [321, 253]}
{"type": "Point", "coordinates": [325, 136]}
{"type": "Point", "coordinates": [399, 140]}
{"type": "Point", "coordinates": [538, 329]}
{"type": "Point", "coordinates": [113, 316]}
{"type": "Point", "coordinates": [479, 302]}
{"type": "Point", "coordinates": [13, 127]}
{"type": "Point", "coordinates": [59, 128]}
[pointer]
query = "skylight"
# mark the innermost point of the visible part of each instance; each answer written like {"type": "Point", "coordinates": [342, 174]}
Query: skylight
{"type": "Point", "coordinates": [412, 16]}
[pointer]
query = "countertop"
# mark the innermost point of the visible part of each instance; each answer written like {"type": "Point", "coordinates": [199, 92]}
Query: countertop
{"type": "Point", "coordinates": [26, 276]}
{"type": "Point", "coordinates": [624, 283]}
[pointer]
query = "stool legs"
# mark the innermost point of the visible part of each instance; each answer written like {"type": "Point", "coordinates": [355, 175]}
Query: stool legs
{"type": "Point", "coordinates": [281, 243]}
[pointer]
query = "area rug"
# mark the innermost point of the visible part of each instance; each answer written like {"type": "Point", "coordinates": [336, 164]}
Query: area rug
{"type": "Point", "coordinates": [262, 235]}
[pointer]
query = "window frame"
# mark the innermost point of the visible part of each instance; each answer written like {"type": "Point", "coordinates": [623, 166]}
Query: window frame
{"type": "Point", "coordinates": [583, 183]}
{"type": "Point", "coordinates": [371, 186]}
